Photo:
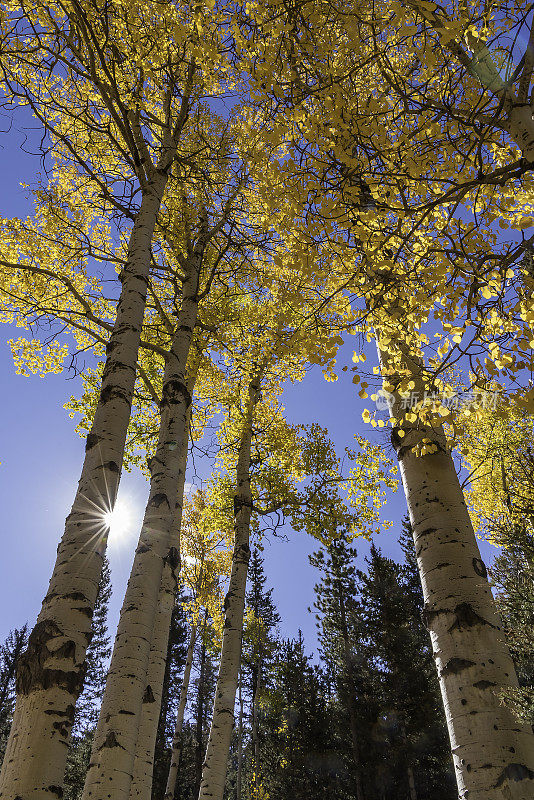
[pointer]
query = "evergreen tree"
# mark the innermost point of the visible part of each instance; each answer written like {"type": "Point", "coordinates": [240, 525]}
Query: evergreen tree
{"type": "Point", "coordinates": [411, 718]}
{"type": "Point", "coordinates": [512, 574]}
{"type": "Point", "coordinates": [87, 708]}
{"type": "Point", "coordinates": [340, 632]}
{"type": "Point", "coordinates": [259, 642]}
{"type": "Point", "coordinates": [299, 757]}
{"type": "Point", "coordinates": [10, 653]}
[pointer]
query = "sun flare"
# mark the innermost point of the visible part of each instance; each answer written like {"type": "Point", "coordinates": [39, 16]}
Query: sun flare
{"type": "Point", "coordinates": [119, 521]}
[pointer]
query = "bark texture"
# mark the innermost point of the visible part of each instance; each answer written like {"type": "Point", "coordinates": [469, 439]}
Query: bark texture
{"type": "Point", "coordinates": [52, 670]}
{"type": "Point", "coordinates": [115, 744]}
{"type": "Point", "coordinates": [152, 698]}
{"type": "Point", "coordinates": [493, 753]}
{"type": "Point", "coordinates": [177, 737]}
{"type": "Point", "coordinates": [239, 746]}
{"type": "Point", "coordinates": [215, 762]}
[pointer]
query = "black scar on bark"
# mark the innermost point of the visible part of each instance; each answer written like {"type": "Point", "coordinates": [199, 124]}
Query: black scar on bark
{"type": "Point", "coordinates": [173, 392]}
{"type": "Point", "coordinates": [92, 440]}
{"type": "Point", "coordinates": [240, 503]}
{"type": "Point", "coordinates": [173, 558]}
{"type": "Point", "coordinates": [73, 596]}
{"type": "Point", "coordinates": [426, 532]}
{"type": "Point", "coordinates": [112, 392]}
{"type": "Point", "coordinates": [142, 549]}
{"type": "Point", "coordinates": [111, 366]}
{"type": "Point", "coordinates": [514, 772]}
{"type": "Point", "coordinates": [396, 440]}
{"type": "Point", "coordinates": [111, 345]}
{"type": "Point", "coordinates": [148, 696]}
{"type": "Point", "coordinates": [484, 684]}
{"type": "Point", "coordinates": [62, 727]}
{"type": "Point", "coordinates": [31, 672]}
{"type": "Point", "coordinates": [57, 790]}
{"type": "Point", "coordinates": [226, 604]}
{"type": "Point", "coordinates": [480, 568]}
{"type": "Point", "coordinates": [112, 466]}
{"type": "Point", "coordinates": [128, 713]}
{"type": "Point", "coordinates": [244, 551]}
{"type": "Point", "coordinates": [456, 665]}
{"type": "Point", "coordinates": [467, 617]}
{"type": "Point", "coordinates": [159, 499]}
{"type": "Point", "coordinates": [111, 741]}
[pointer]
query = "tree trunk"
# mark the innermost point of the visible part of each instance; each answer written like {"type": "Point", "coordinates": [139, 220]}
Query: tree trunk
{"type": "Point", "coordinates": [161, 735]}
{"type": "Point", "coordinates": [215, 763]}
{"type": "Point", "coordinates": [177, 738]}
{"type": "Point", "coordinates": [493, 753]}
{"type": "Point", "coordinates": [351, 692]}
{"type": "Point", "coordinates": [115, 743]}
{"type": "Point", "coordinates": [141, 787]}
{"type": "Point", "coordinates": [199, 750]}
{"type": "Point", "coordinates": [255, 735]}
{"type": "Point", "coordinates": [239, 746]}
{"type": "Point", "coordinates": [355, 748]}
{"type": "Point", "coordinates": [51, 672]}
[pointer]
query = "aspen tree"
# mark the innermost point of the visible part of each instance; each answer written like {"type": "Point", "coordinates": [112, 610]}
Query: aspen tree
{"type": "Point", "coordinates": [202, 577]}
{"type": "Point", "coordinates": [214, 769]}
{"type": "Point", "coordinates": [63, 72]}
{"type": "Point", "coordinates": [126, 687]}
{"type": "Point", "coordinates": [177, 735]}
{"type": "Point", "coordinates": [278, 346]}
{"type": "Point", "coordinates": [110, 724]}
{"type": "Point", "coordinates": [462, 620]}
{"type": "Point", "coordinates": [493, 753]}
{"type": "Point", "coordinates": [205, 563]}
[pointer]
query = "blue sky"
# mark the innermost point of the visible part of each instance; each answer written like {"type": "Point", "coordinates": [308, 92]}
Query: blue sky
{"type": "Point", "coordinates": [41, 456]}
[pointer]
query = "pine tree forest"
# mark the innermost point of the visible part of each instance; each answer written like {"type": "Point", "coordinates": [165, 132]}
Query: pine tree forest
{"type": "Point", "coordinates": [267, 294]}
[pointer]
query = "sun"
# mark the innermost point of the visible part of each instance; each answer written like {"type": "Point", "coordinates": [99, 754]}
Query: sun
{"type": "Point", "coordinates": [119, 521]}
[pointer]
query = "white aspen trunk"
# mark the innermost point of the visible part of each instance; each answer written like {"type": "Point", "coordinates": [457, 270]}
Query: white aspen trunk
{"type": "Point", "coordinates": [177, 737]}
{"type": "Point", "coordinates": [239, 745]}
{"type": "Point", "coordinates": [114, 747]}
{"type": "Point", "coordinates": [520, 125]}
{"type": "Point", "coordinates": [518, 115]}
{"type": "Point", "coordinates": [52, 670]}
{"type": "Point", "coordinates": [215, 762]}
{"type": "Point", "coordinates": [493, 753]}
{"type": "Point", "coordinates": [141, 786]}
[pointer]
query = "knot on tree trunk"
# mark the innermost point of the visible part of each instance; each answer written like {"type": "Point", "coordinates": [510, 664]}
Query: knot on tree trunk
{"type": "Point", "coordinates": [174, 391]}
{"type": "Point", "coordinates": [32, 672]}
{"type": "Point", "coordinates": [514, 772]}
{"type": "Point", "coordinates": [467, 617]}
{"type": "Point", "coordinates": [173, 558]}
{"type": "Point", "coordinates": [148, 696]}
